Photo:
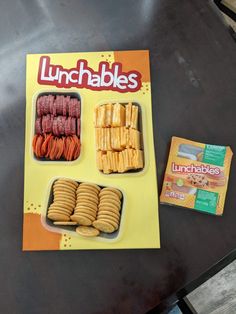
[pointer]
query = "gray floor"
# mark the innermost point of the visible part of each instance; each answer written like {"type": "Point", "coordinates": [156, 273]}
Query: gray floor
{"type": "Point", "coordinates": [218, 294]}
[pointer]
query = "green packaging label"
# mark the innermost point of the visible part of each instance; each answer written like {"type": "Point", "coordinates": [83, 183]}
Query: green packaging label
{"type": "Point", "coordinates": [206, 201]}
{"type": "Point", "coordinates": [214, 154]}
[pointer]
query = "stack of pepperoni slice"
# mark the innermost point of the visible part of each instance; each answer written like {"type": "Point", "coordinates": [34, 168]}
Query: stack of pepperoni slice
{"type": "Point", "coordinates": [57, 128]}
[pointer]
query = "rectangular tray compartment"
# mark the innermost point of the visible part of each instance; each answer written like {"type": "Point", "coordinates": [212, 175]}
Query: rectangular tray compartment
{"type": "Point", "coordinates": [72, 95]}
{"type": "Point", "coordinates": [61, 229]}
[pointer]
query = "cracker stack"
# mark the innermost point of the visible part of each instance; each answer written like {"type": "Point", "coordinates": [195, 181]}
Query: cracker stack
{"type": "Point", "coordinates": [86, 204]}
{"type": "Point", "coordinates": [108, 216]}
{"type": "Point", "coordinates": [117, 138]}
{"type": "Point", "coordinates": [64, 198]}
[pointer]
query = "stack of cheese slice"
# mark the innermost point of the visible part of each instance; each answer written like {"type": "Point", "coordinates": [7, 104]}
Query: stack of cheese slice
{"type": "Point", "coordinates": [118, 140]}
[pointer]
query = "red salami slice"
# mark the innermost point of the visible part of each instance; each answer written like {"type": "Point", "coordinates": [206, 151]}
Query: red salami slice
{"type": "Point", "coordinates": [78, 127]}
{"type": "Point", "coordinates": [38, 107]}
{"type": "Point", "coordinates": [42, 105]}
{"type": "Point", "coordinates": [38, 127]}
{"type": "Point", "coordinates": [44, 124]}
{"type": "Point", "coordinates": [54, 111]}
{"type": "Point", "coordinates": [77, 109]}
{"type": "Point", "coordinates": [73, 126]}
{"type": "Point", "coordinates": [67, 126]}
{"type": "Point", "coordinates": [60, 125]}
{"type": "Point", "coordinates": [54, 127]}
{"type": "Point", "coordinates": [48, 124]}
{"type": "Point", "coordinates": [63, 120]}
{"type": "Point", "coordinates": [74, 108]}
{"type": "Point", "coordinates": [46, 105]}
{"type": "Point", "coordinates": [61, 104]}
{"type": "Point", "coordinates": [69, 107]}
{"type": "Point", "coordinates": [51, 101]}
{"type": "Point", "coordinates": [64, 106]}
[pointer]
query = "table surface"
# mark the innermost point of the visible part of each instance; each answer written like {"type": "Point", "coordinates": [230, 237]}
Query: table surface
{"type": "Point", "coordinates": [193, 68]}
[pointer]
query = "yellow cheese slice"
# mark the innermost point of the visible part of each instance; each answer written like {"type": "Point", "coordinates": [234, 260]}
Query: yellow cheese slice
{"type": "Point", "coordinates": [108, 118]}
{"type": "Point", "coordinates": [128, 110]}
{"type": "Point", "coordinates": [134, 117]}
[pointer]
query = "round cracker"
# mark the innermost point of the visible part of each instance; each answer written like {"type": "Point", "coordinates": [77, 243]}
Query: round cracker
{"type": "Point", "coordinates": [86, 211]}
{"type": "Point", "coordinates": [59, 212]}
{"type": "Point", "coordinates": [63, 204]}
{"type": "Point", "coordinates": [109, 209]}
{"type": "Point", "coordinates": [65, 223]}
{"type": "Point", "coordinates": [81, 220]}
{"type": "Point", "coordinates": [112, 222]}
{"type": "Point", "coordinates": [58, 217]}
{"type": "Point", "coordinates": [87, 204]}
{"type": "Point", "coordinates": [87, 193]}
{"type": "Point", "coordinates": [64, 195]}
{"type": "Point", "coordinates": [85, 207]}
{"type": "Point", "coordinates": [59, 199]}
{"type": "Point", "coordinates": [87, 231]}
{"type": "Point", "coordinates": [67, 180]}
{"type": "Point", "coordinates": [103, 226]}
{"type": "Point", "coordinates": [81, 214]}
{"type": "Point", "coordinates": [66, 183]}
{"type": "Point", "coordinates": [107, 204]}
{"type": "Point", "coordinates": [113, 190]}
{"type": "Point", "coordinates": [87, 189]}
{"type": "Point", "coordinates": [110, 196]}
{"type": "Point", "coordinates": [109, 213]}
{"type": "Point", "coordinates": [95, 186]}
{"type": "Point", "coordinates": [78, 192]}
{"type": "Point", "coordinates": [61, 209]}
{"type": "Point", "coordinates": [60, 186]}
{"type": "Point", "coordinates": [108, 217]}
{"type": "Point", "coordinates": [72, 195]}
{"type": "Point", "coordinates": [84, 199]}
{"type": "Point", "coordinates": [64, 191]}
{"type": "Point", "coordinates": [86, 196]}
{"type": "Point", "coordinates": [78, 207]}
{"type": "Point", "coordinates": [110, 200]}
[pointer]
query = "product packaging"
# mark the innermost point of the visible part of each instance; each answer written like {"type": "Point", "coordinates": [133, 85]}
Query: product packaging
{"type": "Point", "coordinates": [197, 176]}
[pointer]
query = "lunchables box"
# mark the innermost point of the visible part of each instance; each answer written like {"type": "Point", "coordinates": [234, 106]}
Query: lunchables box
{"type": "Point", "coordinates": [90, 173]}
{"type": "Point", "coordinates": [197, 176]}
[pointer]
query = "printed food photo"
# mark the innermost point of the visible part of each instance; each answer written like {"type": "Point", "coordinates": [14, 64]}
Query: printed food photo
{"type": "Point", "coordinates": [89, 152]}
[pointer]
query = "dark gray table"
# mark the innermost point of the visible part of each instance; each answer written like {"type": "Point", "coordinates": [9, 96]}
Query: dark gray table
{"type": "Point", "coordinates": [193, 65]}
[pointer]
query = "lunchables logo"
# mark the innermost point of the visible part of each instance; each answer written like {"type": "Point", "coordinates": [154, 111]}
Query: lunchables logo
{"type": "Point", "coordinates": [107, 77]}
{"type": "Point", "coordinates": [202, 169]}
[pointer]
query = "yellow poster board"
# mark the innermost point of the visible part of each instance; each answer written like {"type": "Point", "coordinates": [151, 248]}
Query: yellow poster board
{"type": "Point", "coordinates": [57, 85]}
